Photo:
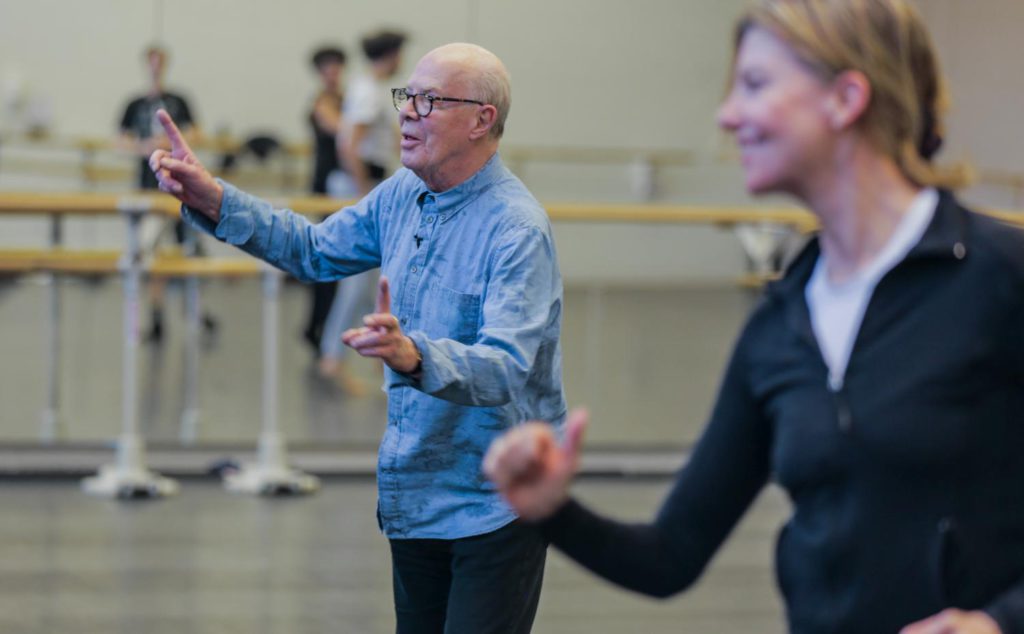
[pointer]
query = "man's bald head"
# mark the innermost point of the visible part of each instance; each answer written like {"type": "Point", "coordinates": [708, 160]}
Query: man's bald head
{"type": "Point", "coordinates": [482, 73]}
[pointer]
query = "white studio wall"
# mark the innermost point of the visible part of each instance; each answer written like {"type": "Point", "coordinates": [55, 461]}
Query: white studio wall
{"type": "Point", "coordinates": [586, 73]}
{"type": "Point", "coordinates": [644, 73]}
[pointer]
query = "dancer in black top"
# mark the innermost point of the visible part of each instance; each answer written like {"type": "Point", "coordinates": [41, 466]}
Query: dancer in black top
{"type": "Point", "coordinates": [325, 122]}
{"type": "Point", "coordinates": [880, 382]}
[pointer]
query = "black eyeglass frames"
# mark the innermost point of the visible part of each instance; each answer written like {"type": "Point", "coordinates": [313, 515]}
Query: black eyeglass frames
{"type": "Point", "coordinates": [422, 102]}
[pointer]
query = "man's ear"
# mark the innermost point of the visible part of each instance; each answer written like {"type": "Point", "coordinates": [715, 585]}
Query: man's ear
{"type": "Point", "coordinates": [849, 99]}
{"type": "Point", "coordinates": [485, 119]}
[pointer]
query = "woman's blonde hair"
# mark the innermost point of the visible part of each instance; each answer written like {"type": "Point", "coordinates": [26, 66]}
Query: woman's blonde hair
{"type": "Point", "coordinates": [887, 41]}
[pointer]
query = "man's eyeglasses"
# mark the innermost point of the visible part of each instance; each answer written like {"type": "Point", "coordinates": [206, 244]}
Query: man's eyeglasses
{"type": "Point", "coordinates": [422, 102]}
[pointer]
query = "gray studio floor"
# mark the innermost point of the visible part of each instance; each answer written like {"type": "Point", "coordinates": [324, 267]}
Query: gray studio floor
{"type": "Point", "coordinates": [209, 561]}
{"type": "Point", "coordinates": [213, 563]}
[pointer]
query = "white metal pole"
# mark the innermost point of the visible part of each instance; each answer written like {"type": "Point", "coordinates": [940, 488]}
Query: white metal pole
{"type": "Point", "coordinates": [270, 474]}
{"type": "Point", "coordinates": [271, 445]}
{"type": "Point", "coordinates": [50, 427]}
{"type": "Point", "coordinates": [190, 380]}
{"type": "Point", "coordinates": [128, 476]}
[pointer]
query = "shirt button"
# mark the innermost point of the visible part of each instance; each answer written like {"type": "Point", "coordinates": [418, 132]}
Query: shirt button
{"type": "Point", "coordinates": [442, 217]}
{"type": "Point", "coordinates": [403, 321]}
{"type": "Point", "coordinates": [430, 219]}
{"type": "Point", "coordinates": [413, 269]}
{"type": "Point", "coordinates": [959, 250]}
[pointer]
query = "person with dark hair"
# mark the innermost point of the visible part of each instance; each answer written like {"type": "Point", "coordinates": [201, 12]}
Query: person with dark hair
{"type": "Point", "coordinates": [369, 138]}
{"type": "Point", "coordinates": [325, 123]}
{"type": "Point", "coordinates": [467, 324]}
{"type": "Point", "coordinates": [368, 144]}
{"type": "Point", "coordinates": [880, 382]}
{"type": "Point", "coordinates": [383, 43]}
{"type": "Point", "coordinates": [142, 135]}
{"type": "Point", "coordinates": [325, 114]}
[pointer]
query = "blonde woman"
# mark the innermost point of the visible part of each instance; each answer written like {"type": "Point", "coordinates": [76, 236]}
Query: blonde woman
{"type": "Point", "coordinates": [880, 382]}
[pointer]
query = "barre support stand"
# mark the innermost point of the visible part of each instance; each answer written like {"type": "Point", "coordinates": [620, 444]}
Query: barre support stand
{"type": "Point", "coordinates": [128, 477]}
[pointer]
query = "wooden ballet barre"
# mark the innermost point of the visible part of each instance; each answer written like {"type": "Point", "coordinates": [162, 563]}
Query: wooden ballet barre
{"type": "Point", "coordinates": [109, 204]}
{"type": "Point", "coordinates": [1002, 178]}
{"type": "Point", "coordinates": [721, 216]}
{"type": "Point", "coordinates": [108, 262]}
{"type": "Point", "coordinates": [84, 203]}
{"type": "Point", "coordinates": [222, 143]}
{"type": "Point", "coordinates": [181, 266]}
{"type": "Point", "coordinates": [96, 204]}
{"type": "Point", "coordinates": [597, 155]}
{"type": "Point", "coordinates": [799, 219]}
{"type": "Point", "coordinates": [312, 205]}
{"type": "Point", "coordinates": [678, 214]}
{"type": "Point", "coordinates": [755, 281]}
{"type": "Point", "coordinates": [218, 143]}
{"type": "Point", "coordinates": [59, 261]}
{"type": "Point", "coordinates": [616, 213]}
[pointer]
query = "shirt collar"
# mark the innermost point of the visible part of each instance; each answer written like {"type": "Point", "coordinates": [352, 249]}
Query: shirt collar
{"type": "Point", "coordinates": [908, 232]}
{"type": "Point", "coordinates": [450, 202]}
{"type": "Point", "coordinates": [944, 237]}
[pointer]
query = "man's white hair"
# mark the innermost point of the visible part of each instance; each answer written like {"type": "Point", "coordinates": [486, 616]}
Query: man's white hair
{"type": "Point", "coordinates": [486, 75]}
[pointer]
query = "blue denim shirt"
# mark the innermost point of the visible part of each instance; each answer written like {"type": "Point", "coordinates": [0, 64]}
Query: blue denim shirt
{"type": "Point", "coordinates": [475, 284]}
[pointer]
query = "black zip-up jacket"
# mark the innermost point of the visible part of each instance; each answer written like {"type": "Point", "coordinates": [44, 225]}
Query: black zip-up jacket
{"type": "Point", "coordinates": [907, 484]}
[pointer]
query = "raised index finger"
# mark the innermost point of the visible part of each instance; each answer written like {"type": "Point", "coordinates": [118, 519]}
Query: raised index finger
{"type": "Point", "coordinates": [178, 144]}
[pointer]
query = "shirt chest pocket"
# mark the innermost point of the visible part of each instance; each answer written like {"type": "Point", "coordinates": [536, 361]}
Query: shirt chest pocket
{"type": "Point", "coordinates": [450, 314]}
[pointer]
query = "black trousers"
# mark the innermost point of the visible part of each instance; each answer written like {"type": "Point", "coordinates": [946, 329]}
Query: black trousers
{"type": "Point", "coordinates": [487, 584]}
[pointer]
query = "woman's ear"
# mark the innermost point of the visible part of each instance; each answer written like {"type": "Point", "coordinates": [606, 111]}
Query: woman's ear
{"type": "Point", "coordinates": [851, 95]}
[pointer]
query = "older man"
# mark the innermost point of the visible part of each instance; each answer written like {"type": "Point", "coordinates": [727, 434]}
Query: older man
{"type": "Point", "coordinates": [470, 338]}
